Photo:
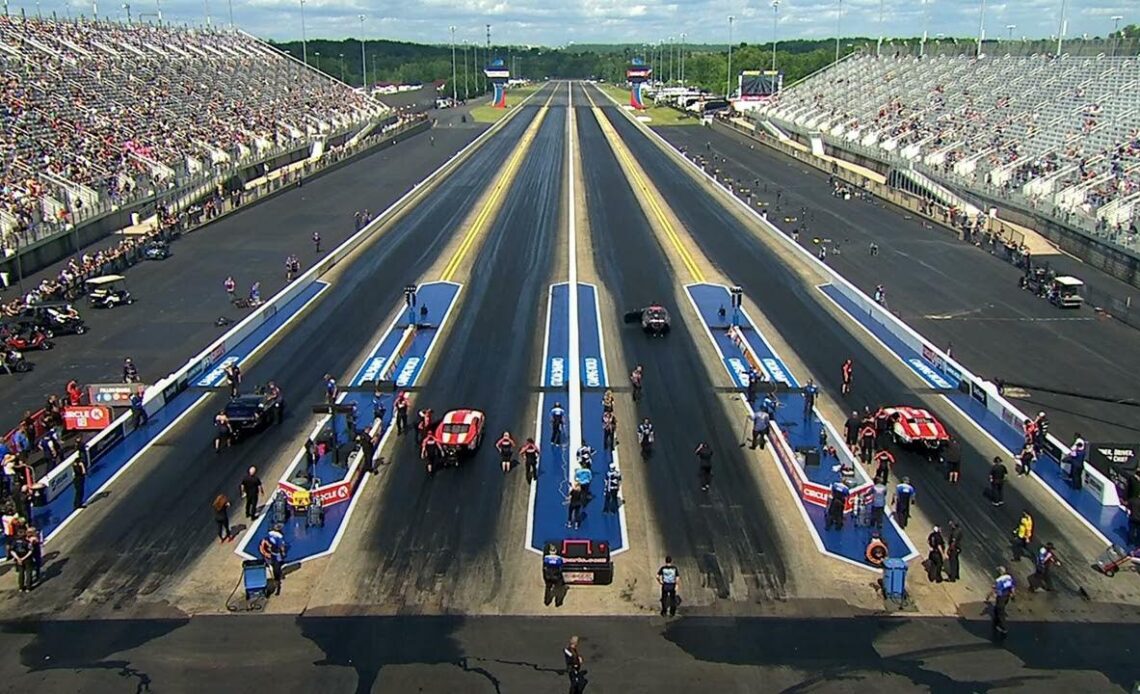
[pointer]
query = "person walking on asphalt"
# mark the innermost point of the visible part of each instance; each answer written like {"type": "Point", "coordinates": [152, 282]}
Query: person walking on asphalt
{"type": "Point", "coordinates": [952, 456]}
{"type": "Point", "coordinates": [575, 502]}
{"type": "Point", "coordinates": [79, 482]}
{"type": "Point", "coordinates": [317, 241]}
{"type": "Point", "coordinates": [704, 453]}
{"type": "Point", "coordinates": [1023, 535]}
{"type": "Point", "coordinates": [575, 666]}
{"type": "Point", "coordinates": [230, 286]}
{"type": "Point", "coordinates": [551, 572]}
{"type": "Point", "coordinates": [635, 382]}
{"type": "Point", "coordinates": [330, 389]}
{"type": "Point", "coordinates": [669, 578]}
{"type": "Point", "coordinates": [130, 371]}
{"type": "Point", "coordinates": [847, 371]}
{"type": "Point", "coordinates": [251, 490]}
{"type": "Point", "coordinates": [760, 422]}
{"type": "Point", "coordinates": [233, 378]}
{"type": "Point", "coordinates": [851, 430]}
{"type": "Point", "coordinates": [272, 550]}
{"type": "Point", "coordinates": [1043, 564]}
{"type": "Point", "coordinates": [904, 497]}
{"type": "Point", "coordinates": [998, 473]}
{"type": "Point", "coordinates": [221, 507]}
{"type": "Point", "coordinates": [934, 560]}
{"type": "Point", "coordinates": [953, 551]}
{"type": "Point", "coordinates": [1024, 464]}
{"type": "Point", "coordinates": [999, 597]}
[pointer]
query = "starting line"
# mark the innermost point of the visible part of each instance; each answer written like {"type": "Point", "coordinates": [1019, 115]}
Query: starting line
{"type": "Point", "coordinates": [399, 356]}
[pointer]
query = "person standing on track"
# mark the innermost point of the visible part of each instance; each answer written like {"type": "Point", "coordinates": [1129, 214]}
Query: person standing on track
{"type": "Point", "coordinates": [330, 389]}
{"type": "Point", "coordinates": [575, 501]}
{"type": "Point", "coordinates": [635, 382]}
{"type": "Point", "coordinates": [953, 551]}
{"type": "Point", "coordinates": [867, 439]}
{"type": "Point", "coordinates": [609, 431]}
{"type": "Point", "coordinates": [401, 406]}
{"type": "Point", "coordinates": [232, 373]}
{"type": "Point", "coordinates": [760, 423]}
{"type": "Point", "coordinates": [575, 667]}
{"type": "Point", "coordinates": [1044, 562]}
{"type": "Point", "coordinates": [704, 453]}
{"type": "Point", "coordinates": [810, 391]}
{"type": "Point", "coordinates": [669, 578]}
{"type": "Point", "coordinates": [904, 497]}
{"type": "Point", "coordinates": [423, 424]}
{"type": "Point", "coordinates": [221, 507]}
{"type": "Point", "coordinates": [431, 453]}
{"type": "Point", "coordinates": [317, 241]}
{"type": "Point", "coordinates": [848, 373]}
{"type": "Point", "coordinates": [130, 371]}
{"type": "Point", "coordinates": [230, 286]}
{"type": "Point", "coordinates": [836, 504]}
{"type": "Point", "coordinates": [998, 473]}
{"type": "Point", "coordinates": [530, 453]}
{"type": "Point", "coordinates": [884, 461]}
{"type": "Point", "coordinates": [251, 490]}
{"type": "Point", "coordinates": [1023, 535]}
{"type": "Point", "coordinates": [557, 419]}
{"type": "Point", "coordinates": [612, 488]}
{"type": "Point", "coordinates": [1000, 595]}
{"type": "Point", "coordinates": [506, 448]}
{"type": "Point", "coordinates": [952, 456]}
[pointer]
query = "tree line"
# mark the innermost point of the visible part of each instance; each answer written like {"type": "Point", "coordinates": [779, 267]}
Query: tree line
{"type": "Point", "coordinates": [705, 65]}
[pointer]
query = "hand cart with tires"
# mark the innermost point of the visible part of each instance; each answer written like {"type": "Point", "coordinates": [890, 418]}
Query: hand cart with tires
{"type": "Point", "coordinates": [1114, 558]}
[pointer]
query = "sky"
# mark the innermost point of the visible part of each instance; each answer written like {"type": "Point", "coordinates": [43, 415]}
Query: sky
{"type": "Point", "coordinates": [558, 22]}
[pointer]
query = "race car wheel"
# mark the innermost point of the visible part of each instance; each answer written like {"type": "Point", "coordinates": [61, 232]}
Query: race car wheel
{"type": "Point", "coordinates": [49, 333]}
{"type": "Point", "coordinates": [80, 329]}
{"type": "Point", "coordinates": [22, 367]}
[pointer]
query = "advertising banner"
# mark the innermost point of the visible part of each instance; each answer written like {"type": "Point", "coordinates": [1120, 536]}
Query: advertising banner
{"type": "Point", "coordinates": [113, 394]}
{"type": "Point", "coordinates": [87, 417]}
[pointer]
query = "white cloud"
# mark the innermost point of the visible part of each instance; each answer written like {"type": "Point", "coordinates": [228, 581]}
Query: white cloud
{"type": "Point", "coordinates": [599, 21]}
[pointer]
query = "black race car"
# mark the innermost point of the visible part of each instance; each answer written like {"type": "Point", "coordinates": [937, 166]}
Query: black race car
{"type": "Point", "coordinates": [249, 413]}
{"type": "Point", "coordinates": [654, 319]}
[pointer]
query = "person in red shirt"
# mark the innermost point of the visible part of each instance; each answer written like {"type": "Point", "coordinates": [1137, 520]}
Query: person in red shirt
{"type": "Point", "coordinates": [74, 393]}
{"type": "Point", "coordinates": [884, 461]}
{"type": "Point", "coordinates": [1030, 432]}
{"type": "Point", "coordinates": [848, 374]}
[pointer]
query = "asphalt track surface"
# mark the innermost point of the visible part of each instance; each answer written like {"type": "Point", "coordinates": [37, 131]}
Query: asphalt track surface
{"type": "Point", "coordinates": [435, 540]}
{"type": "Point", "coordinates": [952, 292]}
{"type": "Point", "coordinates": [514, 654]}
{"type": "Point", "coordinates": [822, 344]}
{"type": "Point", "coordinates": [723, 536]}
{"type": "Point", "coordinates": [156, 520]}
{"type": "Point", "coordinates": [180, 298]}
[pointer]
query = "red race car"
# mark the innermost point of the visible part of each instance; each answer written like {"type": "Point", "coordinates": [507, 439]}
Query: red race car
{"type": "Point", "coordinates": [460, 432]}
{"type": "Point", "coordinates": [916, 427]}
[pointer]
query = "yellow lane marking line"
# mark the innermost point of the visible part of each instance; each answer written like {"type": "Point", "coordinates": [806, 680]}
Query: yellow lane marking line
{"type": "Point", "coordinates": [633, 173]}
{"type": "Point", "coordinates": [506, 179]}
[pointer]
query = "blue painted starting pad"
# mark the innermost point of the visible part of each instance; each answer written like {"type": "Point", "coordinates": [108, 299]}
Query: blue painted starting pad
{"type": "Point", "coordinates": [800, 426]}
{"type": "Point", "coordinates": [549, 511]}
{"type": "Point", "coordinates": [119, 447]}
{"type": "Point", "coordinates": [1111, 521]}
{"type": "Point", "coordinates": [399, 356]}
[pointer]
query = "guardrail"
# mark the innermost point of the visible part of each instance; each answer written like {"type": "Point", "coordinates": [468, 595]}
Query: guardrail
{"type": "Point", "coordinates": [984, 392]}
{"type": "Point", "coordinates": [167, 388]}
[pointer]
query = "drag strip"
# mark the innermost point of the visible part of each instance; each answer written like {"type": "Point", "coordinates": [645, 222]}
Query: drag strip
{"type": "Point", "coordinates": [724, 535]}
{"type": "Point", "coordinates": [947, 290]}
{"type": "Point", "coordinates": [158, 520]}
{"type": "Point", "coordinates": [822, 344]}
{"type": "Point", "coordinates": [436, 543]}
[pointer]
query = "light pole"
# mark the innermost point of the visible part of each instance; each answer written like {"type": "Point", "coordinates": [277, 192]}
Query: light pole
{"type": "Point", "coordinates": [879, 48]}
{"type": "Point", "coordinates": [466, 89]}
{"type": "Point", "coordinates": [775, 25]}
{"type": "Point", "coordinates": [1009, 32]}
{"type": "Point", "coordinates": [158, 10]}
{"type": "Point", "coordinates": [1115, 31]}
{"type": "Point", "coordinates": [341, 57]}
{"type": "Point", "coordinates": [670, 60]}
{"type": "Point", "coordinates": [206, 5]}
{"type": "Point", "coordinates": [728, 77]}
{"type": "Point", "coordinates": [318, 61]}
{"type": "Point", "coordinates": [1064, 26]}
{"type": "Point", "coordinates": [126, 7]}
{"type": "Point", "coordinates": [363, 60]}
{"type": "Point", "coordinates": [304, 43]}
{"type": "Point", "coordinates": [838, 28]}
{"type": "Point", "coordinates": [454, 87]}
{"type": "Point", "coordinates": [925, 31]}
{"type": "Point", "coordinates": [981, 28]}
{"type": "Point", "coordinates": [681, 50]}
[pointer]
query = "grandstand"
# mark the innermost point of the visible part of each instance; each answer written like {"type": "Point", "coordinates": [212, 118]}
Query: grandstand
{"type": "Point", "coordinates": [99, 114]}
{"type": "Point", "coordinates": [1058, 135]}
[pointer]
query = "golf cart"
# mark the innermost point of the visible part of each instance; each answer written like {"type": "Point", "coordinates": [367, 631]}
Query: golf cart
{"type": "Point", "coordinates": [108, 291]}
{"type": "Point", "coordinates": [1065, 292]}
{"type": "Point", "coordinates": [55, 318]}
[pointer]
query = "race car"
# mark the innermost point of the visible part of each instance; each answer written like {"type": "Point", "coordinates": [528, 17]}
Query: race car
{"type": "Point", "coordinates": [914, 426]}
{"type": "Point", "coordinates": [249, 413]}
{"type": "Point", "coordinates": [460, 433]}
{"type": "Point", "coordinates": [654, 319]}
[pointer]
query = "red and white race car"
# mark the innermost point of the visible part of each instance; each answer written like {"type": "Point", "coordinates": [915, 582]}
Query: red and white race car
{"type": "Point", "coordinates": [460, 432]}
{"type": "Point", "coordinates": [914, 426]}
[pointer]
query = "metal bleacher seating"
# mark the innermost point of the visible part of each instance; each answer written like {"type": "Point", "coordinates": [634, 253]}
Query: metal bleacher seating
{"type": "Point", "coordinates": [1060, 134]}
{"type": "Point", "coordinates": [93, 112]}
